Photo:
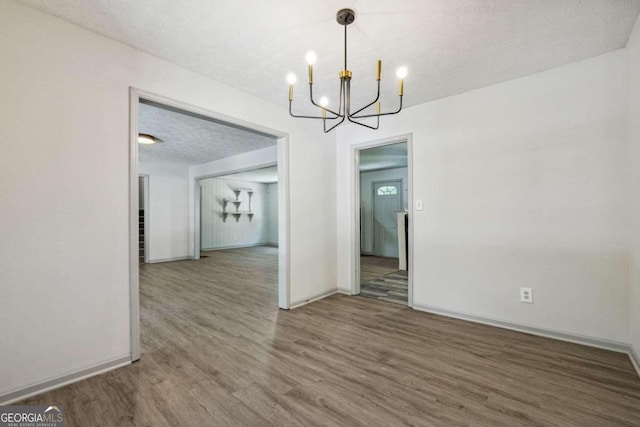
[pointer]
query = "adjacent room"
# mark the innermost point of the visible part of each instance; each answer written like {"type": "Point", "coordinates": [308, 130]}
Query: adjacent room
{"type": "Point", "coordinates": [320, 213]}
{"type": "Point", "coordinates": [384, 221]}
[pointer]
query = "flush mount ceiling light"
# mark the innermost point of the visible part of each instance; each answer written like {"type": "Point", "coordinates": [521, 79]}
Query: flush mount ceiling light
{"type": "Point", "coordinates": [344, 18]}
{"type": "Point", "coordinates": [146, 139]}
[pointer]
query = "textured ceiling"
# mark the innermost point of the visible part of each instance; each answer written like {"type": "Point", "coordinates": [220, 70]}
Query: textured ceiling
{"type": "Point", "coordinates": [193, 140]}
{"type": "Point", "coordinates": [264, 175]}
{"type": "Point", "coordinates": [449, 46]}
{"type": "Point", "coordinates": [385, 157]}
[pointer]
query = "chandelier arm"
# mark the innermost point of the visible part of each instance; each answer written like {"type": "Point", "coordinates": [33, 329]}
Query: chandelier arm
{"type": "Point", "coordinates": [332, 127]}
{"type": "Point", "coordinates": [381, 114]}
{"type": "Point", "coordinates": [320, 106]}
{"type": "Point", "coordinates": [365, 125]}
{"type": "Point", "coordinates": [309, 117]}
{"type": "Point", "coordinates": [370, 104]}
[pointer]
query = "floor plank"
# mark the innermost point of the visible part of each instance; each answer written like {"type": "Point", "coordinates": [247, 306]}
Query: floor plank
{"type": "Point", "coordinates": [217, 351]}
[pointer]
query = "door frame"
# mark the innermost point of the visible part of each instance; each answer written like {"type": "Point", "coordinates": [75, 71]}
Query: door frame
{"type": "Point", "coordinates": [355, 204]}
{"type": "Point", "coordinates": [373, 207]}
{"type": "Point", "coordinates": [284, 261]}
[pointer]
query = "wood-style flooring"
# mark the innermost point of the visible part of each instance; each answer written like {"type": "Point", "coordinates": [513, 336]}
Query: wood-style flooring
{"type": "Point", "coordinates": [380, 279]}
{"type": "Point", "coordinates": [217, 351]}
{"type": "Point", "coordinates": [392, 287]}
{"type": "Point", "coordinates": [373, 267]}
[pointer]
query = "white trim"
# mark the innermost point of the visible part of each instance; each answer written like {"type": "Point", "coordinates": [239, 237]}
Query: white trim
{"type": "Point", "coordinates": [222, 248]}
{"type": "Point", "coordinates": [197, 220]}
{"type": "Point", "coordinates": [635, 359]}
{"type": "Point", "coordinates": [355, 199]}
{"type": "Point", "coordinates": [314, 299]}
{"type": "Point", "coordinates": [178, 258]}
{"type": "Point", "coordinates": [284, 225]}
{"type": "Point", "coordinates": [134, 273]}
{"type": "Point", "coordinates": [63, 380]}
{"type": "Point", "coordinates": [616, 346]}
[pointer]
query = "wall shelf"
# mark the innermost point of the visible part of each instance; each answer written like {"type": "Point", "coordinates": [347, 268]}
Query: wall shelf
{"type": "Point", "coordinates": [236, 203]}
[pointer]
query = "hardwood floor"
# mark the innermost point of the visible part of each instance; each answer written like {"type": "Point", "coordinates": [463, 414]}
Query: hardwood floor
{"type": "Point", "coordinates": [380, 279]}
{"type": "Point", "coordinates": [373, 267]}
{"type": "Point", "coordinates": [217, 351]}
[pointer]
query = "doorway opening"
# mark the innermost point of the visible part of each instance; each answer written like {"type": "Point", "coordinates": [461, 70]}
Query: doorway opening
{"type": "Point", "coordinates": [238, 210]}
{"type": "Point", "coordinates": [204, 184]}
{"type": "Point", "coordinates": [383, 200]}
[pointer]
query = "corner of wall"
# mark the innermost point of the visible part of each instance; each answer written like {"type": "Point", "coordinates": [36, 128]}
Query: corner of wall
{"type": "Point", "coordinates": [633, 126]}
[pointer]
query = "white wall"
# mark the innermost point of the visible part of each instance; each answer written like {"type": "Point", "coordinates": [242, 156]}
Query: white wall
{"type": "Point", "coordinates": [633, 49]}
{"type": "Point", "coordinates": [218, 232]}
{"type": "Point", "coordinates": [524, 183]}
{"type": "Point", "coordinates": [366, 200]}
{"type": "Point", "coordinates": [65, 137]}
{"type": "Point", "coordinates": [168, 210]}
{"type": "Point", "coordinates": [272, 215]}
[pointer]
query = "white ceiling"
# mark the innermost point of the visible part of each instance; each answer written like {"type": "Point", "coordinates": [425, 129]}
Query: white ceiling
{"type": "Point", "coordinates": [385, 157]}
{"type": "Point", "coordinates": [193, 140]}
{"type": "Point", "coordinates": [265, 175]}
{"type": "Point", "coordinates": [449, 46]}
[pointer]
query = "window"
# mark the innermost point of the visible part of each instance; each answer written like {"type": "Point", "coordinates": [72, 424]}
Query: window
{"type": "Point", "coordinates": [388, 190]}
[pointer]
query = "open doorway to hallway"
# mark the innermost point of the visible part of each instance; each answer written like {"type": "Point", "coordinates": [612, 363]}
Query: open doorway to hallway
{"type": "Point", "coordinates": [383, 178]}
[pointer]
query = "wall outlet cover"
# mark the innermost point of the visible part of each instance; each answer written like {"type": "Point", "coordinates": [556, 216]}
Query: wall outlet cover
{"type": "Point", "coordinates": [526, 295]}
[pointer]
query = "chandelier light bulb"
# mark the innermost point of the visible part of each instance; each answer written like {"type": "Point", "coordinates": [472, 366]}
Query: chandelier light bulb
{"type": "Point", "coordinates": [324, 101]}
{"type": "Point", "coordinates": [291, 78]}
{"type": "Point", "coordinates": [311, 57]}
{"type": "Point", "coordinates": [401, 73]}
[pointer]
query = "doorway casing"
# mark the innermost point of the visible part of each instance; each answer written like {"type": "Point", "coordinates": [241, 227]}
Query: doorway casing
{"type": "Point", "coordinates": [355, 204]}
{"type": "Point", "coordinates": [135, 96]}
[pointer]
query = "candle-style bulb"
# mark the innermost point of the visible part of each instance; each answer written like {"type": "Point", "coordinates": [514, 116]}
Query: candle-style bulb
{"type": "Point", "coordinates": [310, 73]}
{"type": "Point", "coordinates": [378, 107]}
{"type": "Point", "coordinates": [311, 57]}
{"type": "Point", "coordinates": [379, 69]}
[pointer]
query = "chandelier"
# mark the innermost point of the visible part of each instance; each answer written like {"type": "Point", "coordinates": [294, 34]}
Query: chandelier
{"type": "Point", "coordinates": [344, 18]}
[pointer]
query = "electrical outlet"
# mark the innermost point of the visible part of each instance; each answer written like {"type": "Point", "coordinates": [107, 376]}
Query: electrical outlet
{"type": "Point", "coordinates": [526, 295]}
{"type": "Point", "coordinates": [419, 205]}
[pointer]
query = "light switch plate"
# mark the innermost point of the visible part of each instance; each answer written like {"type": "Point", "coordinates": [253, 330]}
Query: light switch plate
{"type": "Point", "coordinates": [418, 205]}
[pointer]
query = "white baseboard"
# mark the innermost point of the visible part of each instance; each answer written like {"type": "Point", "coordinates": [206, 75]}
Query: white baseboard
{"type": "Point", "coordinates": [179, 258]}
{"type": "Point", "coordinates": [63, 380]}
{"type": "Point", "coordinates": [635, 359]}
{"type": "Point", "coordinates": [312, 299]}
{"type": "Point", "coordinates": [533, 330]}
{"type": "Point", "coordinates": [222, 248]}
{"type": "Point", "coordinates": [344, 291]}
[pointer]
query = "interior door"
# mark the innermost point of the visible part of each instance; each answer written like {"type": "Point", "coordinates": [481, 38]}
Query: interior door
{"type": "Point", "coordinates": [387, 199]}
